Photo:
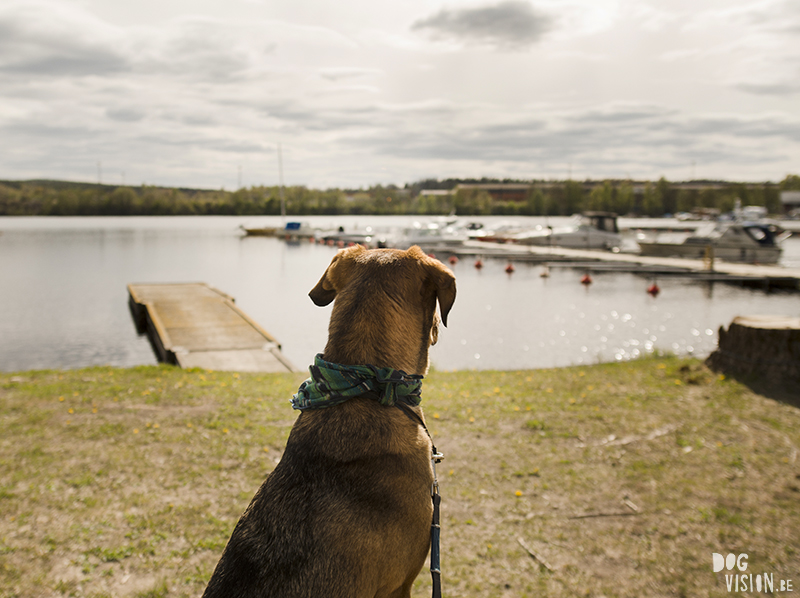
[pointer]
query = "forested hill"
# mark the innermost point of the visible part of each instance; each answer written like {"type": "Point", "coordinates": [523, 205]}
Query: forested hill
{"type": "Point", "coordinates": [476, 197]}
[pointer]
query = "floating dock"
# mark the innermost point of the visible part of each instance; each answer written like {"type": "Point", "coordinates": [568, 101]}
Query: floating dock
{"type": "Point", "coordinates": [768, 277]}
{"type": "Point", "coordinates": [196, 325]}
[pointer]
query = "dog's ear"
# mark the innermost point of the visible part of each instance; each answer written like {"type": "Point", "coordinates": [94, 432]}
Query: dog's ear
{"type": "Point", "coordinates": [445, 284]}
{"type": "Point", "coordinates": [335, 277]}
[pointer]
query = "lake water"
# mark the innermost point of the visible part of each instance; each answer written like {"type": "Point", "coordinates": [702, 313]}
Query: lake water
{"type": "Point", "coordinates": [63, 296]}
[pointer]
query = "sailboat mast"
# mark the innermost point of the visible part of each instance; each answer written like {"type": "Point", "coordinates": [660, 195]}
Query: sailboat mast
{"type": "Point", "coordinates": [280, 180]}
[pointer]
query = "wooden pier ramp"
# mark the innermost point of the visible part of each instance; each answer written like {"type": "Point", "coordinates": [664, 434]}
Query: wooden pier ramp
{"type": "Point", "coordinates": [196, 325]}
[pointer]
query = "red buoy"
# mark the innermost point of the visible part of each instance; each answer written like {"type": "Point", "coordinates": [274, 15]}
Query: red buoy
{"type": "Point", "coordinates": [478, 264]}
{"type": "Point", "coordinates": [586, 280]}
{"type": "Point", "coordinates": [509, 268]}
{"type": "Point", "coordinates": [453, 260]}
{"type": "Point", "coordinates": [653, 290]}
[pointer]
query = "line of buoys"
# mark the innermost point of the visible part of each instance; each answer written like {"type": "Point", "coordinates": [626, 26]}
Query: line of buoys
{"type": "Point", "coordinates": [586, 280]}
{"type": "Point", "coordinates": [509, 268]}
{"type": "Point", "coordinates": [478, 264]}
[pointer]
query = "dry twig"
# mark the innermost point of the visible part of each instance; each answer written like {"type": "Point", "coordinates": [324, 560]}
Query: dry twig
{"type": "Point", "coordinates": [535, 555]}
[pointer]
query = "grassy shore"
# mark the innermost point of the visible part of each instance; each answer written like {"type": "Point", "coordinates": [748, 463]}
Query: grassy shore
{"type": "Point", "coordinates": [609, 480]}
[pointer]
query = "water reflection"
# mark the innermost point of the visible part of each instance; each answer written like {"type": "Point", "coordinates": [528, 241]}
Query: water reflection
{"type": "Point", "coordinates": [63, 298]}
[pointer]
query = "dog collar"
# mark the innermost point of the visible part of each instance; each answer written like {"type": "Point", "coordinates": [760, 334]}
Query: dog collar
{"type": "Point", "coordinates": [333, 383]}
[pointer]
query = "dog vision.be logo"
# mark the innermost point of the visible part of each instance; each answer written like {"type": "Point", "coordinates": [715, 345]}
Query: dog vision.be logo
{"type": "Point", "coordinates": [742, 581]}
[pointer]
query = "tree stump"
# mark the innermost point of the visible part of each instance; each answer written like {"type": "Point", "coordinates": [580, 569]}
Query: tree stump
{"type": "Point", "coordinates": [766, 347]}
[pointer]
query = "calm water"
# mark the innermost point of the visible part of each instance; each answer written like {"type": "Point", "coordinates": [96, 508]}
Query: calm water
{"type": "Point", "coordinates": [63, 297]}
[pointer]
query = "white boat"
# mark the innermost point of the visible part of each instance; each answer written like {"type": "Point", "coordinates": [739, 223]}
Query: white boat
{"type": "Point", "coordinates": [441, 233]}
{"type": "Point", "coordinates": [368, 237]}
{"type": "Point", "coordinates": [748, 242]}
{"type": "Point", "coordinates": [589, 230]}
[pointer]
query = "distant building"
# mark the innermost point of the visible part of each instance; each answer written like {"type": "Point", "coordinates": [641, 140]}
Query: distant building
{"type": "Point", "coordinates": [501, 191]}
{"type": "Point", "coordinates": [790, 200]}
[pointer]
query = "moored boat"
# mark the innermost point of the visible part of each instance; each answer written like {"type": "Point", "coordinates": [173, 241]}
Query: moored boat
{"type": "Point", "coordinates": [589, 230]}
{"type": "Point", "coordinates": [746, 242]}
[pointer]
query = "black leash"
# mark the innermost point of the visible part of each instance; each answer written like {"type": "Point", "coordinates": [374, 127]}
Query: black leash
{"type": "Point", "coordinates": [436, 457]}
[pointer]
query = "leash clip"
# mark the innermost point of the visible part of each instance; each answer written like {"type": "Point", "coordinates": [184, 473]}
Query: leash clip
{"type": "Point", "coordinates": [436, 457]}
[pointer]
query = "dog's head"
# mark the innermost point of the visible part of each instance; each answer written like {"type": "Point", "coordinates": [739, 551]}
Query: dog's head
{"type": "Point", "coordinates": [385, 309]}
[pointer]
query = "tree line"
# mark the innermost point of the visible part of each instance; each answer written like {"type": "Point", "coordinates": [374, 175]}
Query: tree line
{"type": "Point", "coordinates": [54, 198]}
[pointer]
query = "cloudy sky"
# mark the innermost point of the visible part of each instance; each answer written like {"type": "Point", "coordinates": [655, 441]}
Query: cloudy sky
{"type": "Point", "coordinates": [199, 93]}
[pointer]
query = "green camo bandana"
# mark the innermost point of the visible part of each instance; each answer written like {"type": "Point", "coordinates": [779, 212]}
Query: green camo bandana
{"type": "Point", "coordinates": [332, 383]}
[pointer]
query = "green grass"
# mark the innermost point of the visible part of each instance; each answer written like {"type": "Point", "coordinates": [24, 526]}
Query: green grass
{"type": "Point", "coordinates": [624, 477]}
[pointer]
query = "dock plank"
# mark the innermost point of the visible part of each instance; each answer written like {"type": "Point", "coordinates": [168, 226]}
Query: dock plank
{"type": "Point", "coordinates": [196, 325]}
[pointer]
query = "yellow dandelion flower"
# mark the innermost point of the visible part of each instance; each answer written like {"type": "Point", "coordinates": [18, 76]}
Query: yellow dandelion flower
{"type": "Point", "coordinates": [518, 493]}
{"type": "Point", "coordinates": [68, 422]}
{"type": "Point", "coordinates": [75, 394]}
{"type": "Point", "coordinates": [572, 400]}
{"type": "Point", "coordinates": [136, 430]}
{"type": "Point", "coordinates": [590, 387]}
{"type": "Point", "coordinates": [94, 409]}
{"type": "Point", "coordinates": [471, 419]}
{"type": "Point", "coordinates": [224, 430]}
{"type": "Point", "coordinates": [496, 389]}
{"type": "Point", "coordinates": [662, 366]}
{"type": "Point", "coordinates": [71, 410]}
{"type": "Point", "coordinates": [435, 416]}
{"type": "Point", "coordinates": [451, 472]}
{"type": "Point", "coordinates": [189, 425]}
{"type": "Point", "coordinates": [529, 379]}
{"type": "Point", "coordinates": [156, 426]}
{"type": "Point", "coordinates": [266, 449]}
{"type": "Point", "coordinates": [581, 374]}
{"type": "Point", "coordinates": [721, 377]}
{"type": "Point", "coordinates": [61, 399]}
{"type": "Point", "coordinates": [516, 408]}
{"type": "Point", "coordinates": [147, 425]}
{"type": "Point", "coordinates": [549, 390]}
{"type": "Point", "coordinates": [678, 382]}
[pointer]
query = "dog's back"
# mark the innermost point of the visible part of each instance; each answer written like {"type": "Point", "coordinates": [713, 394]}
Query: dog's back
{"type": "Point", "coordinates": [347, 511]}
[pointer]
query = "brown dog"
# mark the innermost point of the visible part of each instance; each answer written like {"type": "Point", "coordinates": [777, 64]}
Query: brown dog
{"type": "Point", "coordinates": [347, 511]}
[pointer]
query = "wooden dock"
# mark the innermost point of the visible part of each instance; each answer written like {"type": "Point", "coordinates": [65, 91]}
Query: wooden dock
{"type": "Point", "coordinates": [196, 325]}
{"type": "Point", "coordinates": [751, 274]}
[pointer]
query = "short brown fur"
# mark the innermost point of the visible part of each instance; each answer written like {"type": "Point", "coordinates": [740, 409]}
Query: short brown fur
{"type": "Point", "coordinates": [347, 511]}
